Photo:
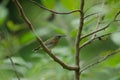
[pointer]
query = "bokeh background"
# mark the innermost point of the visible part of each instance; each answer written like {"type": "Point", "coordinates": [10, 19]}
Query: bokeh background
{"type": "Point", "coordinates": [17, 41]}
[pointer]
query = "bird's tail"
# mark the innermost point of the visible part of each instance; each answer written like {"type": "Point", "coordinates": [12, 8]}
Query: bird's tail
{"type": "Point", "coordinates": [36, 49]}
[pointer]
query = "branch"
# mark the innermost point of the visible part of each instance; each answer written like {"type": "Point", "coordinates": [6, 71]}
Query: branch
{"type": "Point", "coordinates": [90, 15]}
{"type": "Point", "coordinates": [116, 15]}
{"type": "Point", "coordinates": [102, 36]}
{"type": "Point", "coordinates": [40, 40]}
{"type": "Point", "coordinates": [13, 65]}
{"type": "Point", "coordinates": [90, 7]}
{"type": "Point", "coordinates": [100, 60]}
{"type": "Point", "coordinates": [97, 30]}
{"type": "Point", "coordinates": [93, 38]}
{"type": "Point", "coordinates": [44, 8]}
{"type": "Point", "coordinates": [89, 34]}
{"type": "Point", "coordinates": [94, 34]}
{"type": "Point", "coordinates": [77, 59]}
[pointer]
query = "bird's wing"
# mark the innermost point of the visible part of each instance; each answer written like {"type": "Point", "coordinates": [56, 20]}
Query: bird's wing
{"type": "Point", "coordinates": [50, 43]}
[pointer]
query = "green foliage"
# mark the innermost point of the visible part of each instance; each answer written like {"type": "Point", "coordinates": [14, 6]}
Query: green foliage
{"type": "Point", "coordinates": [69, 4]}
{"type": "Point", "coordinates": [17, 41]}
{"type": "Point", "coordinates": [49, 3]}
{"type": "Point", "coordinates": [3, 14]}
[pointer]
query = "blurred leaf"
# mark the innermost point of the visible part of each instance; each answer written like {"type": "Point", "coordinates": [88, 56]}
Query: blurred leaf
{"type": "Point", "coordinates": [39, 66]}
{"type": "Point", "coordinates": [112, 61]}
{"type": "Point", "coordinates": [43, 31]}
{"type": "Point", "coordinates": [116, 39]}
{"type": "Point", "coordinates": [14, 27]}
{"type": "Point", "coordinates": [49, 3]}
{"type": "Point", "coordinates": [69, 4]}
{"type": "Point", "coordinates": [105, 53]}
{"type": "Point", "coordinates": [26, 38]}
{"type": "Point", "coordinates": [5, 2]}
{"type": "Point", "coordinates": [3, 14]}
{"type": "Point", "coordinates": [58, 30]}
{"type": "Point", "coordinates": [73, 32]}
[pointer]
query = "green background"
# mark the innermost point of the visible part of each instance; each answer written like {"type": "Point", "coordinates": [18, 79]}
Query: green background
{"type": "Point", "coordinates": [17, 40]}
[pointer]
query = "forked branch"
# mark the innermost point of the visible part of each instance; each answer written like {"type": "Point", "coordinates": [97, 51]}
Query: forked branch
{"type": "Point", "coordinates": [40, 40]}
{"type": "Point", "coordinates": [55, 12]}
{"type": "Point", "coordinates": [77, 42]}
{"type": "Point", "coordinates": [100, 60]}
{"type": "Point", "coordinates": [93, 38]}
{"type": "Point", "coordinates": [101, 29]}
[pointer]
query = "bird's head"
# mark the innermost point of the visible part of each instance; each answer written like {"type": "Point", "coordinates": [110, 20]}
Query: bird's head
{"type": "Point", "coordinates": [59, 36]}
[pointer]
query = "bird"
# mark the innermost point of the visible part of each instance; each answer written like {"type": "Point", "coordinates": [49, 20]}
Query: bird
{"type": "Point", "coordinates": [50, 43]}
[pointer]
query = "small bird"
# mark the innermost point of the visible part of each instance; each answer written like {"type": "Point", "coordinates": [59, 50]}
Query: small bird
{"type": "Point", "coordinates": [50, 43]}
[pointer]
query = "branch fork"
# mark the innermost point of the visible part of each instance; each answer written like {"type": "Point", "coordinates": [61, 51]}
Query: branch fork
{"type": "Point", "coordinates": [77, 69]}
{"type": "Point", "coordinates": [22, 14]}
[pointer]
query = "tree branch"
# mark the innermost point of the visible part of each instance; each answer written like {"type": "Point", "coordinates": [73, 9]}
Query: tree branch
{"type": "Point", "coordinates": [89, 34]}
{"type": "Point", "coordinates": [94, 34]}
{"type": "Point", "coordinates": [97, 30]}
{"type": "Point", "coordinates": [13, 65]}
{"type": "Point", "coordinates": [40, 40]}
{"type": "Point", "coordinates": [116, 15]}
{"type": "Point", "coordinates": [77, 59]}
{"type": "Point", "coordinates": [55, 12]}
{"type": "Point", "coordinates": [93, 38]}
{"type": "Point", "coordinates": [90, 15]}
{"type": "Point", "coordinates": [100, 60]}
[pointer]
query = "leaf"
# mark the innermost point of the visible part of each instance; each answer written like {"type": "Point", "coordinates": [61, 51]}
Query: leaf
{"type": "Point", "coordinates": [105, 53]}
{"type": "Point", "coordinates": [13, 27]}
{"type": "Point", "coordinates": [26, 38]}
{"type": "Point", "coordinates": [69, 4]}
{"type": "Point", "coordinates": [3, 14]}
{"type": "Point", "coordinates": [116, 38]}
{"type": "Point", "coordinates": [49, 3]}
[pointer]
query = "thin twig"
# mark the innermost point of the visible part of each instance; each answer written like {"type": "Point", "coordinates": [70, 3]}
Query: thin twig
{"type": "Point", "coordinates": [117, 20]}
{"type": "Point", "coordinates": [97, 25]}
{"type": "Point", "coordinates": [100, 60]}
{"type": "Point", "coordinates": [101, 29]}
{"type": "Point", "coordinates": [91, 7]}
{"type": "Point", "coordinates": [77, 59]}
{"type": "Point", "coordinates": [13, 65]}
{"type": "Point", "coordinates": [40, 40]}
{"type": "Point", "coordinates": [94, 34]}
{"type": "Point", "coordinates": [96, 37]}
{"type": "Point", "coordinates": [90, 15]}
{"type": "Point", "coordinates": [87, 42]}
{"type": "Point", "coordinates": [93, 38]}
{"type": "Point", "coordinates": [55, 12]}
{"type": "Point", "coordinates": [108, 34]}
{"type": "Point", "coordinates": [116, 15]}
{"type": "Point", "coordinates": [89, 34]}
{"type": "Point", "coordinates": [99, 19]}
